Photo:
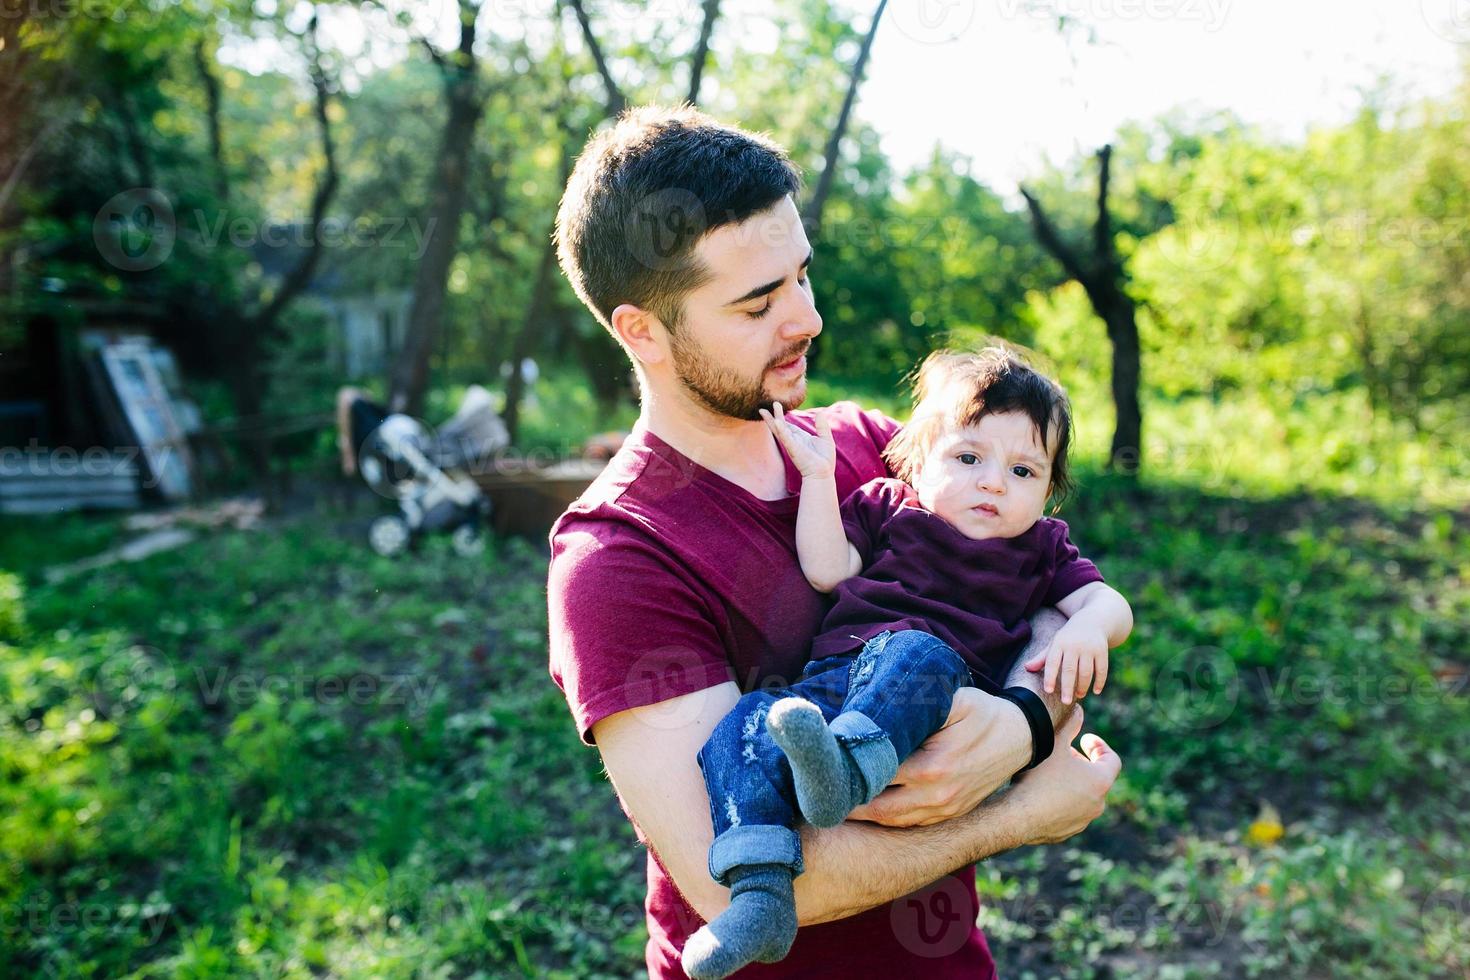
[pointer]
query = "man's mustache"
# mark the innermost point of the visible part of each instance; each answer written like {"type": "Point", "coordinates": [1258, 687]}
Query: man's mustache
{"type": "Point", "coordinates": [795, 352]}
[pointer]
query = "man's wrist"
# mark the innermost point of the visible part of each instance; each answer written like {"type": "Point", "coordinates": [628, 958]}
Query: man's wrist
{"type": "Point", "coordinates": [1018, 743]}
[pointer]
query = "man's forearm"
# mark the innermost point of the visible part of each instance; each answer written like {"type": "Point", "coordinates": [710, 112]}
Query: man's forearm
{"type": "Point", "coordinates": [856, 866]}
{"type": "Point", "coordinates": [1044, 626]}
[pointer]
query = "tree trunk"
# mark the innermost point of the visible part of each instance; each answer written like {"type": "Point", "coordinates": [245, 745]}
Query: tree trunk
{"type": "Point", "coordinates": [446, 204]}
{"type": "Point", "coordinates": [525, 337]}
{"type": "Point", "coordinates": [811, 218]}
{"type": "Point", "coordinates": [1126, 452]}
{"type": "Point", "coordinates": [1104, 279]}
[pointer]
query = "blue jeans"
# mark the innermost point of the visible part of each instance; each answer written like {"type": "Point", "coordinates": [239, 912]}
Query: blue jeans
{"type": "Point", "coordinates": [898, 688]}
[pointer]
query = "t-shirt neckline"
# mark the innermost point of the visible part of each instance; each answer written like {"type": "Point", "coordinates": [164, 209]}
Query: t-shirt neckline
{"type": "Point", "coordinates": [793, 476]}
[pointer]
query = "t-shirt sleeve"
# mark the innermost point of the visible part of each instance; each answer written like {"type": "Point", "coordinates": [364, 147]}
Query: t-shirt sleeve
{"type": "Point", "coordinates": [866, 510]}
{"type": "Point", "coordinates": [627, 627]}
{"type": "Point", "coordinates": [1070, 570]}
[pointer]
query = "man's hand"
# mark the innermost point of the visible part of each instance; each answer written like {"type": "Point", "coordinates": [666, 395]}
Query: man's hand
{"type": "Point", "coordinates": [1076, 659]}
{"type": "Point", "coordinates": [1069, 790]}
{"type": "Point", "coordinates": [815, 456]}
{"type": "Point", "coordinates": [982, 744]}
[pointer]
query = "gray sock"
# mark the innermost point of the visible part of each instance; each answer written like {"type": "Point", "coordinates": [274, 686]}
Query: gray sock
{"type": "Point", "coordinates": [759, 926]}
{"type": "Point", "coordinates": [828, 783]}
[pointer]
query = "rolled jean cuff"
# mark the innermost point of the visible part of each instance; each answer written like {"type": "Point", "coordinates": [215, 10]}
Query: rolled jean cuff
{"type": "Point", "coordinates": [755, 844]}
{"type": "Point", "coordinates": [871, 750]}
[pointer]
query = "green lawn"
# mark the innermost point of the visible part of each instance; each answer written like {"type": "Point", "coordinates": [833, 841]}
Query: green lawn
{"type": "Point", "coordinates": [273, 753]}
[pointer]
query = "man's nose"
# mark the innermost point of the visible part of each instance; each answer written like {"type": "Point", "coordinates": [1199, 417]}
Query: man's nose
{"type": "Point", "coordinates": [805, 321]}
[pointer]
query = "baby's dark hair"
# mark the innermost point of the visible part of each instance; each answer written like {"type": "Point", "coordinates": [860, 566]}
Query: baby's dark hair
{"type": "Point", "coordinates": [954, 388]}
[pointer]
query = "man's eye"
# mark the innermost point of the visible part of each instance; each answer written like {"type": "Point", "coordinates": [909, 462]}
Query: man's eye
{"type": "Point", "coordinates": [1022, 471]}
{"type": "Point", "coordinates": [969, 459]}
{"type": "Point", "coordinates": [757, 314]}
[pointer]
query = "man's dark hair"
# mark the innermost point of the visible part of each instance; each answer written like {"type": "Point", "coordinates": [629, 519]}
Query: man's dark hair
{"type": "Point", "coordinates": [959, 389]}
{"type": "Point", "coordinates": [643, 193]}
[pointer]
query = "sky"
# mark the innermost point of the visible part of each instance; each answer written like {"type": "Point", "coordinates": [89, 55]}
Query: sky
{"type": "Point", "coordinates": [994, 80]}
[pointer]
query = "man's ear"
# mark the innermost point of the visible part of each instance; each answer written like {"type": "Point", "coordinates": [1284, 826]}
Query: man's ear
{"type": "Point", "coordinates": [641, 332]}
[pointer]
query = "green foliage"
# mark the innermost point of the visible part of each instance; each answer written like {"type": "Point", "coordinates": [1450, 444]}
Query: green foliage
{"type": "Point", "coordinates": [192, 787]}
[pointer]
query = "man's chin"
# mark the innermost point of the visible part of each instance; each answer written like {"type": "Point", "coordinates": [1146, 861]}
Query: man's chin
{"type": "Point", "coordinates": [791, 395]}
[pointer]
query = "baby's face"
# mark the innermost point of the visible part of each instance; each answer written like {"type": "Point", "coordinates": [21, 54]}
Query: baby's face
{"type": "Point", "coordinates": [989, 480]}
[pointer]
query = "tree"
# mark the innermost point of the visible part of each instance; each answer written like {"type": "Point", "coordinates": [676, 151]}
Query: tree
{"type": "Point", "coordinates": [464, 95]}
{"type": "Point", "coordinates": [811, 216]}
{"type": "Point", "coordinates": [1103, 276]}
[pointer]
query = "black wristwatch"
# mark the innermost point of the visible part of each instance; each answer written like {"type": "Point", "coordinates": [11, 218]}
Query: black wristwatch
{"type": "Point", "coordinates": [1043, 738]}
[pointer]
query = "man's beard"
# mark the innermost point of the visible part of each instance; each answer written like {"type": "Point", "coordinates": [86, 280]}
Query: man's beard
{"type": "Point", "coordinates": [725, 392]}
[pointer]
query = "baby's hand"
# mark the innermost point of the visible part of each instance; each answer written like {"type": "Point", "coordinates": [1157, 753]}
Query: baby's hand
{"type": "Point", "coordinates": [815, 456]}
{"type": "Point", "coordinates": [1076, 658]}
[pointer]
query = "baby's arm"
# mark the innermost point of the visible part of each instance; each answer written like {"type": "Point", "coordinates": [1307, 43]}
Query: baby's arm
{"type": "Point", "coordinates": [1098, 618]}
{"type": "Point", "coordinates": [827, 558]}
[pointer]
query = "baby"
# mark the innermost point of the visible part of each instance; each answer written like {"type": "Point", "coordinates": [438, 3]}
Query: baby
{"type": "Point", "coordinates": [936, 575]}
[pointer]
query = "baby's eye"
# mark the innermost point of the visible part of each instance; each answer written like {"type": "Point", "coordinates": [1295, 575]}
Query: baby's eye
{"type": "Point", "coordinates": [969, 459]}
{"type": "Point", "coordinates": [1021, 471]}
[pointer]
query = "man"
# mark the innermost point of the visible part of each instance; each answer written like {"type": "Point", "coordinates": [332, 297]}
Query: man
{"type": "Point", "coordinates": [674, 582]}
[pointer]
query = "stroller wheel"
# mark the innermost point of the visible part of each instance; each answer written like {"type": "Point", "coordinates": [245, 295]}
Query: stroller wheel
{"type": "Point", "coordinates": [467, 541]}
{"type": "Point", "coordinates": [388, 536]}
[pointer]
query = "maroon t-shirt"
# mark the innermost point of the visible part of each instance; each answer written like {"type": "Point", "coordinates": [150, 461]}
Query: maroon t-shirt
{"type": "Point", "coordinates": [667, 579]}
{"type": "Point", "coordinates": [921, 573]}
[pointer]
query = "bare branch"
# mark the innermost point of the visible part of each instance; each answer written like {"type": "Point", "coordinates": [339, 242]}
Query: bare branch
{"type": "Point", "coordinates": [299, 277]}
{"type": "Point", "coordinates": [616, 102]}
{"type": "Point", "coordinates": [1102, 231]}
{"type": "Point", "coordinates": [212, 116]}
{"type": "Point", "coordinates": [1051, 240]}
{"type": "Point", "coordinates": [812, 219]}
{"type": "Point", "coordinates": [701, 49]}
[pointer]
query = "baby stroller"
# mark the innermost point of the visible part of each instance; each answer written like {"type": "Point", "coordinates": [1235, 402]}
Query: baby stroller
{"type": "Point", "coordinates": [428, 474]}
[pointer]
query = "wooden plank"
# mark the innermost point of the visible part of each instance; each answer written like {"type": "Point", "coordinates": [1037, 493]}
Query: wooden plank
{"type": "Point", "coordinates": [56, 505]}
{"type": "Point", "coordinates": [65, 486]}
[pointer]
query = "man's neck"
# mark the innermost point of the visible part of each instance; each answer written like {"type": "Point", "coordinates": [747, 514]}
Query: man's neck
{"type": "Point", "coordinates": [745, 453]}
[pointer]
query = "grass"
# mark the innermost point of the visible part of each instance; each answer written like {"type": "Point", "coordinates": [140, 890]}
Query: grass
{"type": "Point", "coordinates": [272, 753]}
